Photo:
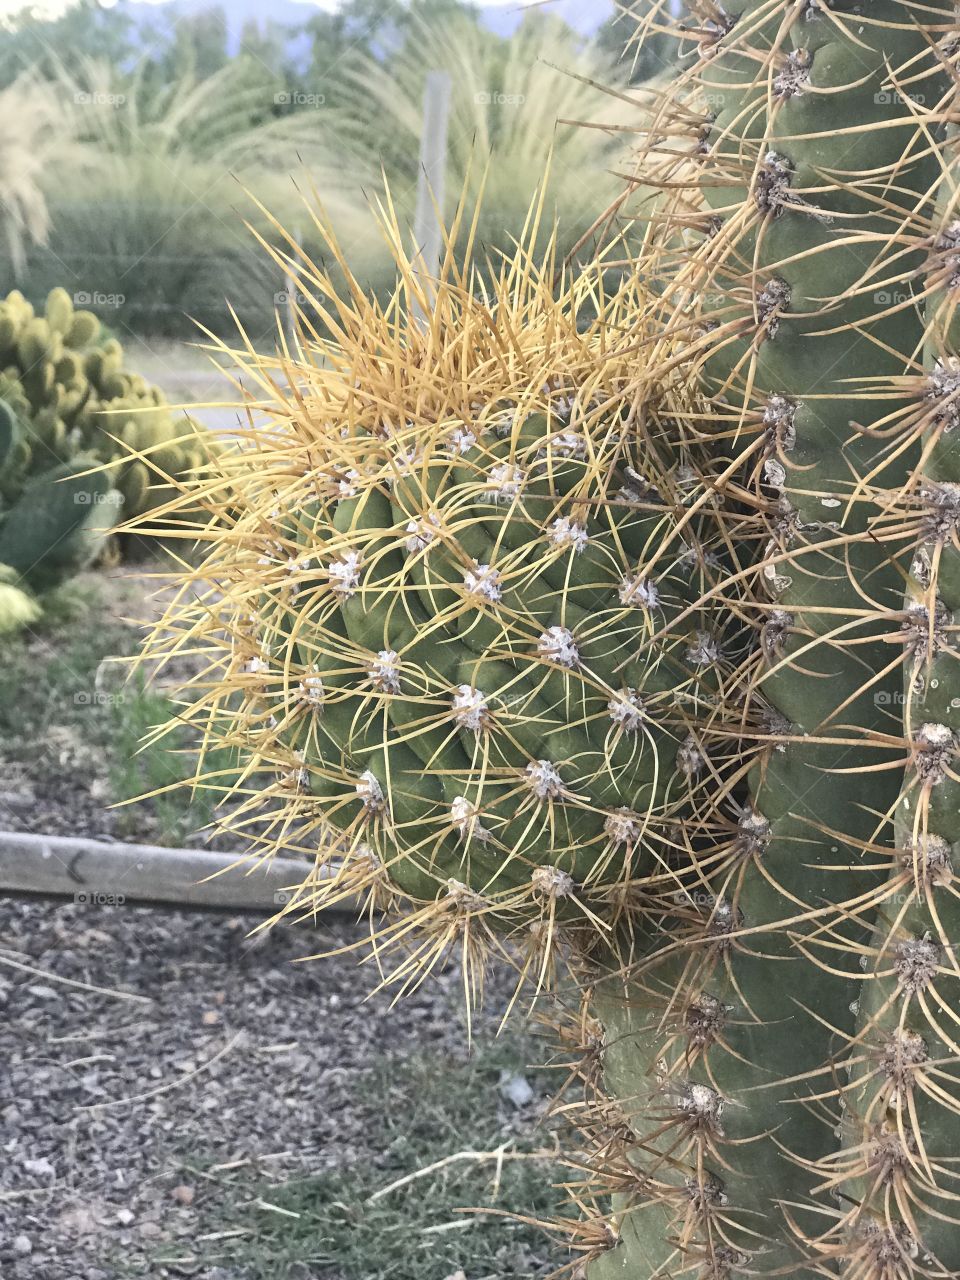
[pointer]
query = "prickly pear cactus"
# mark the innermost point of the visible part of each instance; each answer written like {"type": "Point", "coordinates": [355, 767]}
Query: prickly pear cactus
{"type": "Point", "coordinates": [59, 525]}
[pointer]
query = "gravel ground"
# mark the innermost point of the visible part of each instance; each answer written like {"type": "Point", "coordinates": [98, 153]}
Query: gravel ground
{"type": "Point", "coordinates": [118, 1112]}
{"type": "Point", "coordinates": [159, 1070]}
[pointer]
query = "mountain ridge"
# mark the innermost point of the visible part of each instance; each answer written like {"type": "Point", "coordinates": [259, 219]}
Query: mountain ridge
{"type": "Point", "coordinates": [583, 15]}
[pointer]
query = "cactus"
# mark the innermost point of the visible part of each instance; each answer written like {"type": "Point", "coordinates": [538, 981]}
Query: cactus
{"type": "Point", "coordinates": [902, 1114]}
{"type": "Point", "coordinates": [11, 436]}
{"type": "Point", "coordinates": [728, 1044]}
{"type": "Point", "coordinates": [771, 1042]}
{"type": "Point", "coordinates": [59, 524]}
{"type": "Point", "coordinates": [83, 442]}
{"type": "Point", "coordinates": [444, 668]}
{"type": "Point", "coordinates": [73, 395]}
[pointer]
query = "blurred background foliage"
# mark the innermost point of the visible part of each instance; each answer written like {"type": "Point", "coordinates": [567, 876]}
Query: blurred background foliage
{"type": "Point", "coordinates": [130, 175]}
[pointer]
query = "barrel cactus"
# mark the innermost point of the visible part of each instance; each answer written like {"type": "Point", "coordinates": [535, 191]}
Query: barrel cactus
{"type": "Point", "coordinates": [460, 611]}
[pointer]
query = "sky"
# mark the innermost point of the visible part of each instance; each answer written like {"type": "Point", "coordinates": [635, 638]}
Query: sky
{"type": "Point", "coordinates": [50, 8]}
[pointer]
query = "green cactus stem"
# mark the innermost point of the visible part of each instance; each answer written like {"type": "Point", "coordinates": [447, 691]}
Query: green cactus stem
{"type": "Point", "coordinates": [446, 669]}
{"type": "Point", "coordinates": [734, 1137]}
{"type": "Point", "coordinates": [900, 1169]}
{"type": "Point", "coordinates": [59, 525]}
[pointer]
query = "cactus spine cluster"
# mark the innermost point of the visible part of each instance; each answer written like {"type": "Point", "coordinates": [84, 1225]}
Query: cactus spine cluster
{"type": "Point", "coordinates": [453, 677]}
{"type": "Point", "coordinates": [762, 452]}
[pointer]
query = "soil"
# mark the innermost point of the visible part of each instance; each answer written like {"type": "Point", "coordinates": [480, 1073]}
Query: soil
{"type": "Point", "coordinates": [128, 1111]}
{"type": "Point", "coordinates": [158, 1067]}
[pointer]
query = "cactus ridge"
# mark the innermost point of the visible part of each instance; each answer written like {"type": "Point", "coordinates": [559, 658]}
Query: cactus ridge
{"type": "Point", "coordinates": [808, 229]}
{"type": "Point", "coordinates": [902, 1112]}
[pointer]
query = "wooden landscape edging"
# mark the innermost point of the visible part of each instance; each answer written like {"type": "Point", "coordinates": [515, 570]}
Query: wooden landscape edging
{"type": "Point", "coordinates": [106, 873]}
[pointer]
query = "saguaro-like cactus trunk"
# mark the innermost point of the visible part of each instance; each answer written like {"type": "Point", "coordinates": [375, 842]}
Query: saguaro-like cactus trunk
{"type": "Point", "coordinates": [726, 1048]}
{"type": "Point", "coordinates": [900, 1169]}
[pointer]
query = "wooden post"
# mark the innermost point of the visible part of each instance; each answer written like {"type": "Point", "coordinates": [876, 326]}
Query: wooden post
{"type": "Point", "coordinates": [431, 185]}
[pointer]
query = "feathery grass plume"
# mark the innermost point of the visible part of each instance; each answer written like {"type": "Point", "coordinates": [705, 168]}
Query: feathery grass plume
{"type": "Point", "coordinates": [144, 200]}
{"type": "Point", "coordinates": [515, 103]}
{"type": "Point", "coordinates": [450, 617]}
{"type": "Point", "coordinates": [31, 143]}
{"type": "Point", "coordinates": [795, 163]}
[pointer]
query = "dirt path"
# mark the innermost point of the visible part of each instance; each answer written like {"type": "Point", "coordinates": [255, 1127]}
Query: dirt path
{"type": "Point", "coordinates": [188, 375]}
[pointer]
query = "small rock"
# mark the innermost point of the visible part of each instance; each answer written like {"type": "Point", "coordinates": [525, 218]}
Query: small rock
{"type": "Point", "coordinates": [458, 1275]}
{"type": "Point", "coordinates": [183, 1194]}
{"type": "Point", "coordinates": [79, 1220]}
{"type": "Point", "coordinates": [149, 1229]}
{"type": "Point", "coordinates": [22, 1244]}
{"type": "Point", "coordinates": [124, 1217]}
{"type": "Point", "coordinates": [515, 1089]}
{"type": "Point", "coordinates": [210, 1018]}
{"type": "Point", "coordinates": [40, 1168]}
